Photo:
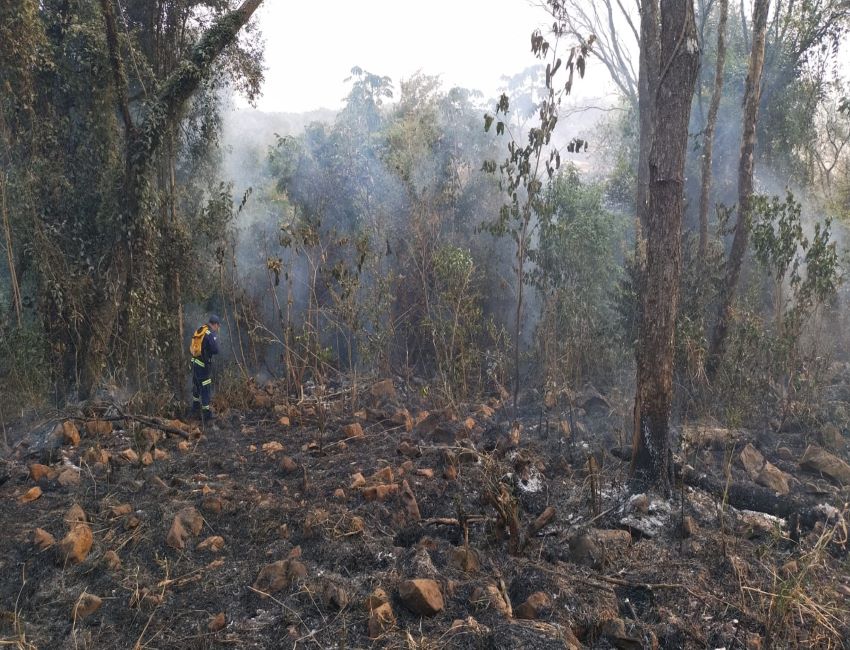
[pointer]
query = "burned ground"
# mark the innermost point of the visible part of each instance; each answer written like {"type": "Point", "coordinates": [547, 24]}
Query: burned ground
{"type": "Point", "coordinates": [298, 530]}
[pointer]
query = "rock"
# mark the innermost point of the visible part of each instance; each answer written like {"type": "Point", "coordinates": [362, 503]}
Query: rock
{"type": "Point", "coordinates": [408, 500]}
{"type": "Point", "coordinates": [111, 559]}
{"type": "Point", "coordinates": [187, 523]}
{"type": "Point", "coordinates": [401, 417]}
{"type": "Point", "coordinates": [334, 596]}
{"type": "Point", "coordinates": [421, 596]}
{"type": "Point", "coordinates": [75, 546]}
{"type": "Point", "coordinates": [184, 446]}
{"type": "Point", "coordinates": [383, 475]}
{"type": "Point", "coordinates": [773, 478]}
{"type": "Point", "coordinates": [86, 605]}
{"type": "Point", "coordinates": [212, 504]}
{"type": "Point", "coordinates": [288, 465]}
{"type": "Point", "coordinates": [535, 606]}
{"type": "Point", "coordinates": [160, 454]}
{"type": "Point", "coordinates": [377, 598]}
{"type": "Point", "coordinates": [272, 447]}
{"type": "Point", "coordinates": [830, 437]}
{"type": "Point", "coordinates": [69, 477]}
{"type": "Point", "coordinates": [261, 400]}
{"type": "Point", "coordinates": [149, 437]}
{"type": "Point", "coordinates": [406, 448]}
{"type": "Point", "coordinates": [485, 411]}
{"type": "Point", "coordinates": [379, 492]}
{"type": "Point", "coordinates": [278, 575]}
{"type": "Point", "coordinates": [381, 620]}
{"type": "Point", "coordinates": [30, 495]}
{"type": "Point", "coordinates": [638, 503]}
{"type": "Point", "coordinates": [98, 427]}
{"type": "Point", "coordinates": [130, 456]}
{"type": "Point", "coordinates": [146, 459]}
{"type": "Point", "coordinates": [213, 544]}
{"type": "Point", "coordinates": [697, 436]}
{"type": "Point", "coordinates": [284, 420]}
{"type": "Point", "coordinates": [821, 461]}
{"type": "Point", "coordinates": [42, 539]}
{"type": "Point", "coordinates": [785, 454]}
{"type": "Point", "coordinates": [217, 623]}
{"type": "Point", "coordinates": [425, 472]}
{"type": "Point", "coordinates": [75, 515]}
{"type": "Point", "coordinates": [353, 430]}
{"type": "Point", "coordinates": [752, 461]}
{"type": "Point", "coordinates": [357, 480]}
{"type": "Point", "coordinates": [464, 559]}
{"type": "Point", "coordinates": [614, 631]}
{"type": "Point", "coordinates": [70, 433]}
{"type": "Point", "coordinates": [339, 494]}
{"type": "Point", "coordinates": [39, 472]}
{"type": "Point", "coordinates": [383, 391]}
{"type": "Point", "coordinates": [490, 597]}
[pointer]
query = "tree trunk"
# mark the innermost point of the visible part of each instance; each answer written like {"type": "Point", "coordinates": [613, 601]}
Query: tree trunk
{"type": "Point", "coordinates": [144, 142]}
{"type": "Point", "coordinates": [647, 80]}
{"type": "Point", "coordinates": [710, 124]}
{"type": "Point", "coordinates": [746, 164]}
{"type": "Point", "coordinates": [679, 55]}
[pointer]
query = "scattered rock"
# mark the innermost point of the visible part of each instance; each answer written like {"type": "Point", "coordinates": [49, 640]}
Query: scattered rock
{"type": "Point", "coordinates": [212, 504]}
{"type": "Point", "coordinates": [130, 456]}
{"type": "Point", "coordinates": [213, 544]}
{"type": "Point", "coordinates": [689, 526]}
{"type": "Point", "coordinates": [421, 596]}
{"type": "Point", "coordinates": [377, 598]}
{"type": "Point", "coordinates": [288, 465]}
{"type": "Point", "coordinates": [773, 478]}
{"type": "Point", "coordinates": [407, 448]}
{"type": "Point", "coordinates": [146, 459]}
{"type": "Point", "coordinates": [69, 477]}
{"type": "Point", "coordinates": [818, 460]}
{"type": "Point", "coordinates": [334, 595]}
{"type": "Point", "coordinates": [339, 494]}
{"type": "Point", "coordinates": [42, 539]}
{"type": "Point", "coordinates": [752, 460]}
{"type": "Point", "coordinates": [535, 606]}
{"type": "Point", "coordinates": [217, 623]}
{"type": "Point", "coordinates": [531, 635]}
{"type": "Point", "coordinates": [383, 391]}
{"type": "Point", "coordinates": [464, 559]}
{"type": "Point", "coordinates": [30, 495]}
{"type": "Point", "coordinates": [381, 620]}
{"type": "Point", "coordinates": [357, 480]}
{"type": "Point", "coordinates": [39, 472]}
{"type": "Point", "coordinates": [111, 559]}
{"type": "Point", "coordinates": [278, 575]}
{"type": "Point", "coordinates": [379, 492]}
{"type": "Point", "coordinates": [408, 500]}
{"type": "Point", "coordinates": [425, 472]}
{"type": "Point", "coordinates": [160, 454]}
{"type": "Point", "coordinates": [273, 447]}
{"type": "Point", "coordinates": [284, 420]}
{"type": "Point", "coordinates": [70, 433]}
{"type": "Point", "coordinates": [98, 427]}
{"type": "Point", "coordinates": [383, 475]}
{"type": "Point", "coordinates": [353, 430]}
{"type": "Point", "coordinates": [75, 546]}
{"type": "Point", "coordinates": [187, 523]}
{"type": "Point", "coordinates": [830, 436]}
{"type": "Point", "coordinates": [86, 605]}
{"type": "Point", "coordinates": [491, 597]}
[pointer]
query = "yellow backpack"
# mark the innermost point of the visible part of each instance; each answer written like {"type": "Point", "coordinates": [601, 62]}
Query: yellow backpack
{"type": "Point", "coordinates": [197, 344]}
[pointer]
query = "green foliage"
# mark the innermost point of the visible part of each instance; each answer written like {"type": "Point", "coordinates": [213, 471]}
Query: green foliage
{"type": "Point", "coordinates": [577, 269]}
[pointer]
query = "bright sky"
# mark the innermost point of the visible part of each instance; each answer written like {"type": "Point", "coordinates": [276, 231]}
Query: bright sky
{"type": "Point", "coordinates": [312, 46]}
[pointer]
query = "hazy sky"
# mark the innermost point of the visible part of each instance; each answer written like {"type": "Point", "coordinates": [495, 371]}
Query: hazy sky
{"type": "Point", "coordinates": [312, 46]}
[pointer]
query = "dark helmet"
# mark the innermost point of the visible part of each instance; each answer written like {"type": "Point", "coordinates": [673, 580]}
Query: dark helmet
{"type": "Point", "coordinates": [214, 320]}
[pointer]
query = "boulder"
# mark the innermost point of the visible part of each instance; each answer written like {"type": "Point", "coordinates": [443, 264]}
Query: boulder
{"type": "Point", "coordinates": [421, 596]}
{"type": "Point", "coordinates": [818, 460]}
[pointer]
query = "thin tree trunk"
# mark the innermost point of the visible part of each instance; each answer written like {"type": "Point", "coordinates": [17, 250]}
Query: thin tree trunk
{"type": "Point", "coordinates": [10, 254]}
{"type": "Point", "coordinates": [710, 125]}
{"type": "Point", "coordinates": [746, 164]}
{"type": "Point", "coordinates": [678, 65]}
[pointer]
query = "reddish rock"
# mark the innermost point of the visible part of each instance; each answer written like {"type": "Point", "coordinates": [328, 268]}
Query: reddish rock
{"type": "Point", "coordinates": [381, 620]}
{"type": "Point", "coordinates": [212, 504]}
{"type": "Point", "coordinates": [379, 492]}
{"type": "Point", "coordinates": [98, 427]}
{"type": "Point", "coordinates": [821, 461]}
{"type": "Point", "coordinates": [75, 546]}
{"type": "Point", "coordinates": [535, 606]}
{"type": "Point", "coordinates": [39, 471]}
{"type": "Point", "coordinates": [408, 500]}
{"type": "Point", "coordinates": [217, 623]}
{"type": "Point", "coordinates": [130, 456]}
{"type": "Point", "coordinates": [86, 605]}
{"type": "Point", "coordinates": [213, 544]}
{"type": "Point", "coordinates": [357, 480]}
{"type": "Point", "coordinates": [69, 477]}
{"type": "Point", "coordinates": [383, 390]}
{"type": "Point", "coordinates": [421, 596]}
{"type": "Point", "coordinates": [353, 430]}
{"type": "Point", "coordinates": [30, 495]}
{"type": "Point", "coordinates": [383, 475]}
{"type": "Point", "coordinates": [490, 597]}
{"type": "Point", "coordinates": [278, 575]}
{"type": "Point", "coordinates": [42, 539]}
{"type": "Point", "coordinates": [425, 472]}
{"type": "Point", "coordinates": [111, 559]}
{"type": "Point", "coordinates": [187, 523]}
{"type": "Point", "coordinates": [70, 433]}
{"type": "Point", "coordinates": [288, 465]}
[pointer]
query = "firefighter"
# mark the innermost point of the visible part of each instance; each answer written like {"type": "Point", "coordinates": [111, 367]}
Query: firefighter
{"type": "Point", "coordinates": [204, 345]}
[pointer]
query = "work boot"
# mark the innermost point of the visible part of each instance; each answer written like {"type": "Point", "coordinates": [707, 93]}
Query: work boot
{"type": "Point", "coordinates": [209, 416]}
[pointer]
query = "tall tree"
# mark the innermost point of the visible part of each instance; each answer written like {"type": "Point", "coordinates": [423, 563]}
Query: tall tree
{"type": "Point", "coordinates": [671, 62]}
{"type": "Point", "coordinates": [746, 166]}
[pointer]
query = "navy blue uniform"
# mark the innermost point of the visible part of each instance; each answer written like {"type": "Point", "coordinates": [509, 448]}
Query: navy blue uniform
{"type": "Point", "coordinates": [202, 375]}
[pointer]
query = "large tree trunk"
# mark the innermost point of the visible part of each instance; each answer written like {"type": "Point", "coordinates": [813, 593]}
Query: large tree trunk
{"type": "Point", "coordinates": [678, 64]}
{"type": "Point", "coordinates": [144, 142]}
{"type": "Point", "coordinates": [647, 80]}
{"type": "Point", "coordinates": [710, 124]}
{"type": "Point", "coordinates": [746, 164]}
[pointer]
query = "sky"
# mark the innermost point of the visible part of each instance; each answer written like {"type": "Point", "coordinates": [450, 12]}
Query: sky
{"type": "Point", "coordinates": [312, 46]}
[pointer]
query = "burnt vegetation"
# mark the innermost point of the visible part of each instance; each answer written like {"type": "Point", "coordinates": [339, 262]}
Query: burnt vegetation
{"type": "Point", "coordinates": [508, 372]}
